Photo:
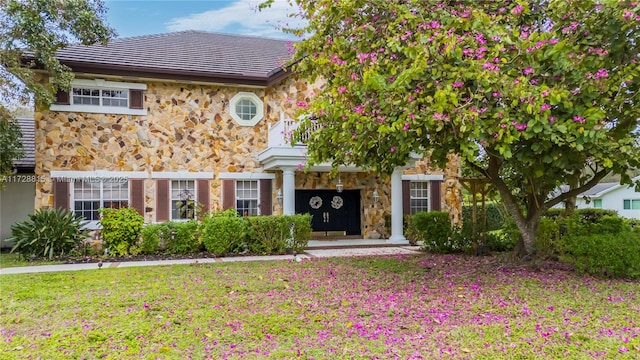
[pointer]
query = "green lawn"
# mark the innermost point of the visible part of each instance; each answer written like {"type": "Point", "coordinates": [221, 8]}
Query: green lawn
{"type": "Point", "coordinates": [14, 260]}
{"type": "Point", "coordinates": [424, 306]}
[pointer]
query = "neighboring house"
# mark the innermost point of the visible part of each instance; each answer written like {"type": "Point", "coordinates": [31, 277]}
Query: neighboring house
{"type": "Point", "coordinates": [152, 121]}
{"type": "Point", "coordinates": [16, 200]}
{"type": "Point", "coordinates": [610, 196]}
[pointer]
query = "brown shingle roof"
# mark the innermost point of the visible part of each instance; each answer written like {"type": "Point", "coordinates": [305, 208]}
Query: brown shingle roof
{"type": "Point", "coordinates": [27, 126]}
{"type": "Point", "coordinates": [187, 55]}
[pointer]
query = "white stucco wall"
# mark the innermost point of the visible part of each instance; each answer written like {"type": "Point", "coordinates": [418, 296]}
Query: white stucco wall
{"type": "Point", "coordinates": [16, 203]}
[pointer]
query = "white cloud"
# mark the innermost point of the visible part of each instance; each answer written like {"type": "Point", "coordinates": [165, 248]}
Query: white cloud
{"type": "Point", "coordinates": [240, 17]}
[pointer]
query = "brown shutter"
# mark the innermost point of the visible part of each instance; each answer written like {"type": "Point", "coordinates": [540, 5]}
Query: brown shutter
{"type": "Point", "coordinates": [228, 194]}
{"type": "Point", "coordinates": [137, 195]}
{"type": "Point", "coordinates": [136, 99]}
{"type": "Point", "coordinates": [162, 200]}
{"type": "Point", "coordinates": [434, 188]}
{"type": "Point", "coordinates": [204, 191]}
{"type": "Point", "coordinates": [266, 196]}
{"type": "Point", "coordinates": [62, 98]}
{"type": "Point", "coordinates": [60, 194]}
{"type": "Point", "coordinates": [406, 197]}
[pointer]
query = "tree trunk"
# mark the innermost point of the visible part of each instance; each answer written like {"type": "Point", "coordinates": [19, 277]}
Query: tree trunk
{"type": "Point", "coordinates": [525, 248]}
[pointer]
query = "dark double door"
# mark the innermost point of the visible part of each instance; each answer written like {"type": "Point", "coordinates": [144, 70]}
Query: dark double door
{"type": "Point", "coordinates": [331, 210]}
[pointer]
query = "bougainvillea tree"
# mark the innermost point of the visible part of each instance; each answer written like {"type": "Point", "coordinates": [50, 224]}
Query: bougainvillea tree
{"type": "Point", "coordinates": [530, 94]}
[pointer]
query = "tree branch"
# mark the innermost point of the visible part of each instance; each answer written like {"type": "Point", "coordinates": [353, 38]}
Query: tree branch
{"type": "Point", "coordinates": [575, 192]}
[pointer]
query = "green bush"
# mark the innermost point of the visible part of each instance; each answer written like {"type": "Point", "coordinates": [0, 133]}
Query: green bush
{"type": "Point", "coordinates": [224, 233]}
{"type": "Point", "coordinates": [48, 233]}
{"type": "Point", "coordinates": [434, 230]}
{"type": "Point", "coordinates": [495, 216]}
{"type": "Point", "coordinates": [607, 255]}
{"type": "Point", "coordinates": [547, 238]}
{"type": "Point", "coordinates": [501, 239]}
{"type": "Point", "coordinates": [184, 237]}
{"type": "Point", "coordinates": [272, 234]}
{"type": "Point", "coordinates": [155, 238]}
{"type": "Point", "coordinates": [121, 230]}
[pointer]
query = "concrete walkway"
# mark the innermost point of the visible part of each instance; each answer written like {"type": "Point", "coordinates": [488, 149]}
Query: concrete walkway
{"type": "Point", "coordinates": [308, 254]}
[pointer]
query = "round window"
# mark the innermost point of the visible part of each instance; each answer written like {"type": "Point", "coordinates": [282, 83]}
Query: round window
{"type": "Point", "coordinates": [246, 109]}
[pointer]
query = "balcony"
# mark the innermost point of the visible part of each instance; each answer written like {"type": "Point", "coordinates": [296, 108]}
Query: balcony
{"type": "Point", "coordinates": [281, 153]}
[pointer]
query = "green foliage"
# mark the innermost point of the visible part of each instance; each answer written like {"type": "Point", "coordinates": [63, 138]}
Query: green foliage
{"type": "Point", "coordinates": [185, 237]}
{"type": "Point", "coordinates": [272, 234]}
{"type": "Point", "coordinates": [121, 230]}
{"type": "Point", "coordinates": [495, 217]}
{"type": "Point", "coordinates": [224, 233]}
{"type": "Point", "coordinates": [528, 94]}
{"type": "Point", "coordinates": [10, 146]}
{"type": "Point", "coordinates": [153, 235]}
{"type": "Point", "coordinates": [547, 238]}
{"type": "Point", "coordinates": [48, 233]}
{"type": "Point", "coordinates": [608, 255]}
{"type": "Point", "coordinates": [433, 228]}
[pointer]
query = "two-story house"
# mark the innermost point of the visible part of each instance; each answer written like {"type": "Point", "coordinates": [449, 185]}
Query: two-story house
{"type": "Point", "coordinates": [152, 121]}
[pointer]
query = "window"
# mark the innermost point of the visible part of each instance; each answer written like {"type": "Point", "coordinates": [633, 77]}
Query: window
{"type": "Point", "coordinates": [91, 195]}
{"type": "Point", "coordinates": [183, 193]}
{"type": "Point", "coordinates": [597, 203]}
{"type": "Point", "coordinates": [631, 204]}
{"type": "Point", "coordinates": [419, 196]}
{"type": "Point", "coordinates": [101, 96]}
{"type": "Point", "coordinates": [246, 108]}
{"type": "Point", "coordinates": [247, 197]}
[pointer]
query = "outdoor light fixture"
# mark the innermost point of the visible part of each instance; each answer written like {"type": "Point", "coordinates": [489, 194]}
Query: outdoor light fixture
{"type": "Point", "coordinates": [375, 196]}
{"type": "Point", "coordinates": [279, 196]}
{"type": "Point", "coordinates": [339, 186]}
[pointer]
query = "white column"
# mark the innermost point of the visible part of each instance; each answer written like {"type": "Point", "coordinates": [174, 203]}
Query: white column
{"type": "Point", "coordinates": [288, 191]}
{"type": "Point", "coordinates": [397, 236]}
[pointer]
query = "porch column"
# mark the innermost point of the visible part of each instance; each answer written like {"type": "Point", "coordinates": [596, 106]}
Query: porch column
{"type": "Point", "coordinates": [288, 191]}
{"type": "Point", "coordinates": [397, 236]}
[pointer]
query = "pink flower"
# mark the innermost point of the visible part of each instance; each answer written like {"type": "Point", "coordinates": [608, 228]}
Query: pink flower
{"type": "Point", "coordinates": [393, 149]}
{"type": "Point", "coordinates": [623, 350]}
{"type": "Point", "coordinates": [527, 71]}
{"type": "Point", "coordinates": [517, 10]}
{"type": "Point", "coordinates": [405, 127]}
{"type": "Point", "coordinates": [302, 104]}
{"type": "Point", "coordinates": [521, 127]}
{"type": "Point", "coordinates": [457, 84]}
{"type": "Point", "coordinates": [545, 106]}
{"type": "Point", "coordinates": [495, 94]}
{"type": "Point", "coordinates": [412, 116]}
{"type": "Point", "coordinates": [579, 119]}
{"type": "Point", "coordinates": [575, 91]}
{"type": "Point", "coordinates": [552, 119]}
{"type": "Point", "coordinates": [299, 166]}
{"type": "Point", "coordinates": [546, 92]}
{"type": "Point", "coordinates": [342, 89]}
{"type": "Point", "coordinates": [601, 73]}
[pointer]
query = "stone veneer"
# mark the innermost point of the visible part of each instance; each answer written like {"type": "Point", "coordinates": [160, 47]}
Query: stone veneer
{"type": "Point", "coordinates": [187, 128]}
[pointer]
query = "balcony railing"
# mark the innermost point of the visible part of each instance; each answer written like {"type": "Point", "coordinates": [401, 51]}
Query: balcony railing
{"type": "Point", "coordinates": [281, 134]}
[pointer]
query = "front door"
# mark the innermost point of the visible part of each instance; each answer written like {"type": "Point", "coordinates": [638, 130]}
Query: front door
{"type": "Point", "coordinates": [331, 210]}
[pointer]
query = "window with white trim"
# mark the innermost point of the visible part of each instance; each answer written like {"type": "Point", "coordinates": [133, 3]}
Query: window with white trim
{"type": "Point", "coordinates": [631, 204]}
{"type": "Point", "coordinates": [597, 203]}
{"type": "Point", "coordinates": [246, 108]}
{"type": "Point", "coordinates": [247, 196]}
{"type": "Point", "coordinates": [100, 97]}
{"type": "Point", "coordinates": [91, 195]}
{"type": "Point", "coordinates": [419, 194]}
{"type": "Point", "coordinates": [183, 199]}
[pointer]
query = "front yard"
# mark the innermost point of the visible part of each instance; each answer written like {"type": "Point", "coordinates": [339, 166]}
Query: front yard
{"type": "Point", "coordinates": [425, 306]}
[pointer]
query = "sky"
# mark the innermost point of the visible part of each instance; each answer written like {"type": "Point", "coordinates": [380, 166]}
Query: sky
{"type": "Point", "coordinates": [142, 17]}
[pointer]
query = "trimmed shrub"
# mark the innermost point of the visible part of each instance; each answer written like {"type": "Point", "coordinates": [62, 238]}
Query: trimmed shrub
{"type": "Point", "coordinates": [434, 230]}
{"type": "Point", "coordinates": [48, 233]}
{"type": "Point", "coordinates": [273, 234]}
{"type": "Point", "coordinates": [547, 238]}
{"type": "Point", "coordinates": [606, 255]}
{"type": "Point", "coordinates": [155, 238]}
{"type": "Point", "coordinates": [121, 230]}
{"type": "Point", "coordinates": [184, 237]}
{"type": "Point", "coordinates": [224, 233]}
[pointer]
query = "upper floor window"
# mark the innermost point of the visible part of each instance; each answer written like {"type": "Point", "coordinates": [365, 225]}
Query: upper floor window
{"type": "Point", "coordinates": [101, 96]}
{"type": "Point", "coordinates": [246, 108]}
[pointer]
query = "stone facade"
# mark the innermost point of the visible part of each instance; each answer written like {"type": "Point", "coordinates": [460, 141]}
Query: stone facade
{"type": "Point", "coordinates": [187, 128]}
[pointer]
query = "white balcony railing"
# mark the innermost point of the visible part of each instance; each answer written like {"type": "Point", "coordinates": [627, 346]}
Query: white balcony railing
{"type": "Point", "coordinates": [281, 134]}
